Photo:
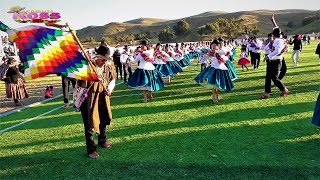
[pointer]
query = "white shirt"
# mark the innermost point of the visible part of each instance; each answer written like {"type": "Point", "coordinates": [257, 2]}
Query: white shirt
{"type": "Point", "coordinates": [258, 47]}
{"type": "Point", "coordinates": [215, 63]}
{"type": "Point", "coordinates": [243, 55]}
{"type": "Point", "coordinates": [178, 56]}
{"type": "Point", "coordinates": [278, 45]}
{"type": "Point", "coordinates": [226, 49]}
{"type": "Point", "coordinates": [143, 63]}
{"type": "Point", "coordinates": [125, 56]}
{"type": "Point", "coordinates": [185, 51]}
{"type": "Point", "coordinates": [266, 48]}
{"type": "Point", "coordinates": [168, 58]}
{"type": "Point", "coordinates": [159, 60]}
{"type": "Point", "coordinates": [222, 52]}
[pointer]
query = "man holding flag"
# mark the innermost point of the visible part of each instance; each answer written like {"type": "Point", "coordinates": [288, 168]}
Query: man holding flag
{"type": "Point", "coordinates": [96, 110]}
{"type": "Point", "coordinates": [46, 51]}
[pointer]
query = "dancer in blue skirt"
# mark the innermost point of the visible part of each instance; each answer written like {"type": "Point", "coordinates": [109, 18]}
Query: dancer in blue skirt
{"type": "Point", "coordinates": [186, 54]}
{"type": "Point", "coordinates": [217, 75]}
{"type": "Point", "coordinates": [229, 64]}
{"type": "Point", "coordinates": [145, 77]}
{"type": "Point", "coordinates": [174, 65]}
{"type": "Point", "coordinates": [161, 64]}
{"type": "Point", "coordinates": [179, 56]}
{"type": "Point", "coordinates": [316, 115]}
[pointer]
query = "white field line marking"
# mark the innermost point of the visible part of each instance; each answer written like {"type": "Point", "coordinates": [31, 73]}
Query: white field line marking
{"type": "Point", "coordinates": [31, 119]}
{"type": "Point", "coordinates": [32, 105]}
{"type": "Point", "coordinates": [24, 122]}
{"type": "Point", "coordinates": [28, 106]}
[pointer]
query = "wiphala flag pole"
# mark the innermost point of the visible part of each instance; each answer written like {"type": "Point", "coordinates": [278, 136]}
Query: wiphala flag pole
{"type": "Point", "coordinates": [100, 78]}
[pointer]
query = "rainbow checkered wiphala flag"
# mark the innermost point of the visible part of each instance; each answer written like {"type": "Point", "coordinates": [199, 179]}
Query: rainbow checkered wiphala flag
{"type": "Point", "coordinates": [49, 51]}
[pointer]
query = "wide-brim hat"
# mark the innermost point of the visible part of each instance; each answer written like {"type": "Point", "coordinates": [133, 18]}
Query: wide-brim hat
{"type": "Point", "coordinates": [102, 50]}
{"type": "Point", "coordinates": [276, 32]}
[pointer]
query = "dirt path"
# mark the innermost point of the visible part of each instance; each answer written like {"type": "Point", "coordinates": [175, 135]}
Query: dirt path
{"type": "Point", "coordinates": [35, 89]}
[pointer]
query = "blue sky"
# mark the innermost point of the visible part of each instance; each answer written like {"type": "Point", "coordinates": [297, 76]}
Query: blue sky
{"type": "Point", "coordinates": [82, 13]}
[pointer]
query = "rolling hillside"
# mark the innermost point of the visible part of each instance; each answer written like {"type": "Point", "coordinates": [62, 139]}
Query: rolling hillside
{"type": "Point", "coordinates": [144, 21]}
{"type": "Point", "coordinates": [153, 25]}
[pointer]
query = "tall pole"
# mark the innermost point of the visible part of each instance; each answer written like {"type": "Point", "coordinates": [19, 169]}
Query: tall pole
{"type": "Point", "coordinates": [274, 21]}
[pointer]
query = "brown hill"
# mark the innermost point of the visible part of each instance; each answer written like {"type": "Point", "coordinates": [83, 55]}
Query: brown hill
{"type": "Point", "coordinates": [153, 25]}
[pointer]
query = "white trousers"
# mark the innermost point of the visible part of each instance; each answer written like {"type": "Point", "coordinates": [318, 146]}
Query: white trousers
{"type": "Point", "coordinates": [295, 56]}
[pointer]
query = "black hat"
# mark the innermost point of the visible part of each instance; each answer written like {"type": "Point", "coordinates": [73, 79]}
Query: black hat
{"type": "Point", "coordinates": [49, 87]}
{"type": "Point", "coordinates": [219, 39]}
{"type": "Point", "coordinates": [215, 42]}
{"type": "Point", "coordinates": [276, 32]}
{"type": "Point", "coordinates": [144, 42]}
{"type": "Point", "coordinates": [102, 50]}
{"type": "Point", "coordinates": [11, 60]}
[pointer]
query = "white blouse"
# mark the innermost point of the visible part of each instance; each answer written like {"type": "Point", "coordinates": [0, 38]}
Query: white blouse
{"type": "Point", "coordinates": [177, 56]}
{"type": "Point", "coordinates": [159, 60]}
{"type": "Point", "coordinates": [215, 63]}
{"type": "Point", "coordinates": [143, 63]}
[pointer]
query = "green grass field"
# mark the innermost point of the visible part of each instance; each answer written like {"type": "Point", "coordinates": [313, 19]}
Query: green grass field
{"type": "Point", "coordinates": [180, 135]}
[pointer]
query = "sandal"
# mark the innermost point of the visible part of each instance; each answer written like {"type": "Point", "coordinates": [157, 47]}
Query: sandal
{"type": "Point", "coordinates": [264, 96]}
{"type": "Point", "coordinates": [215, 101]}
{"type": "Point", "coordinates": [284, 93]}
{"type": "Point", "coordinates": [66, 106]}
{"type": "Point", "coordinates": [93, 155]}
{"type": "Point", "coordinates": [105, 145]}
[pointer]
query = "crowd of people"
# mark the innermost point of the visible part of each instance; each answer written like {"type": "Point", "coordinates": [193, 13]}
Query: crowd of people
{"type": "Point", "coordinates": [158, 65]}
{"type": "Point", "coordinates": [11, 72]}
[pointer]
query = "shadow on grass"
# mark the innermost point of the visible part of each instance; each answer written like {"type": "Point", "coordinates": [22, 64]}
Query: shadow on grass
{"type": "Point", "coordinates": [255, 78]}
{"type": "Point", "coordinates": [241, 153]}
{"type": "Point", "coordinates": [234, 116]}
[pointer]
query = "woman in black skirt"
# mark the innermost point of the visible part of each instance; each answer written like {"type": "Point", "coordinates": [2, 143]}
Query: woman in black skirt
{"type": "Point", "coordinates": [15, 88]}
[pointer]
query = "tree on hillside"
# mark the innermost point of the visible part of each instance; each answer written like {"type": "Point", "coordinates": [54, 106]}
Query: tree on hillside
{"type": "Point", "coordinates": [147, 33]}
{"type": "Point", "coordinates": [144, 35]}
{"type": "Point", "coordinates": [88, 39]}
{"type": "Point", "coordinates": [124, 39]}
{"type": "Point", "coordinates": [165, 36]}
{"type": "Point", "coordinates": [181, 28]}
{"type": "Point", "coordinates": [209, 29]}
{"type": "Point", "coordinates": [108, 40]}
{"type": "Point", "coordinates": [290, 24]}
{"type": "Point", "coordinates": [230, 28]}
{"type": "Point", "coordinates": [309, 20]}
